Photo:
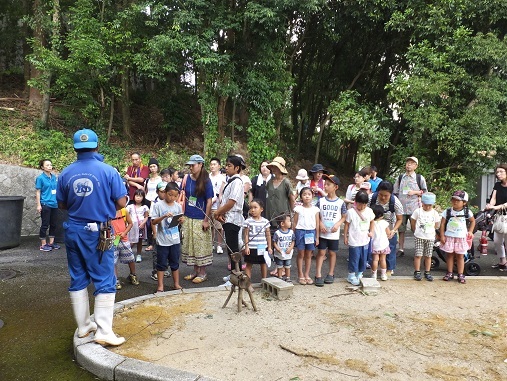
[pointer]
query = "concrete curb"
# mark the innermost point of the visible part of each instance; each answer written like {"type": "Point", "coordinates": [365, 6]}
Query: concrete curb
{"type": "Point", "coordinates": [110, 366]}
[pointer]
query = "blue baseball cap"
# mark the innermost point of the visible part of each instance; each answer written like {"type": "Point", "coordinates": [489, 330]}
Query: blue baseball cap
{"type": "Point", "coordinates": [85, 139]}
{"type": "Point", "coordinates": [428, 198]}
{"type": "Point", "coordinates": [195, 159]}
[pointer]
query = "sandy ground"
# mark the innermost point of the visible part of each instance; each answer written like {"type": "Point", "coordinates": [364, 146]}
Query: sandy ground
{"type": "Point", "coordinates": [410, 330]}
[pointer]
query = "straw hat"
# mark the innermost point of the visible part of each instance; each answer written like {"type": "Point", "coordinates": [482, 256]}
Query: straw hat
{"type": "Point", "coordinates": [278, 162]}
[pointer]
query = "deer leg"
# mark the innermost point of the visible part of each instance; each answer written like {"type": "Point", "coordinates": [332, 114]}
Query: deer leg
{"type": "Point", "coordinates": [229, 297]}
{"type": "Point", "coordinates": [240, 299]}
{"type": "Point", "coordinates": [252, 299]}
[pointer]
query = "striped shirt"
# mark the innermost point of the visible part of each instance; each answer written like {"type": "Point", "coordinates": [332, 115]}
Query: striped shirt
{"type": "Point", "coordinates": [234, 191]}
{"type": "Point", "coordinates": [256, 232]}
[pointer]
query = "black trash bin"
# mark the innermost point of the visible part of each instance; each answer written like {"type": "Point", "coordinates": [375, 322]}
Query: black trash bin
{"type": "Point", "coordinates": [12, 208]}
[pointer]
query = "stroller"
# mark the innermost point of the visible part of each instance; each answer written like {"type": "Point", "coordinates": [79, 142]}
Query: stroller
{"type": "Point", "coordinates": [484, 223]}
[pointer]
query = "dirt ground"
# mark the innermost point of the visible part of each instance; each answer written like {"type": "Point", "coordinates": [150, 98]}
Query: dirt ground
{"type": "Point", "coordinates": [409, 330]}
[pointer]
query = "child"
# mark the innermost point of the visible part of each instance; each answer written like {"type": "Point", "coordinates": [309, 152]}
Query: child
{"type": "Point", "coordinates": [139, 210]}
{"type": "Point", "coordinates": [352, 189]}
{"type": "Point", "coordinates": [302, 179]}
{"type": "Point", "coordinates": [317, 183]}
{"type": "Point", "coordinates": [257, 238]}
{"type": "Point", "coordinates": [366, 186]}
{"type": "Point", "coordinates": [122, 223]}
{"type": "Point", "coordinates": [332, 216]}
{"type": "Point", "coordinates": [453, 234]}
{"type": "Point", "coordinates": [168, 237]}
{"type": "Point", "coordinates": [218, 182]}
{"type": "Point", "coordinates": [284, 241]}
{"type": "Point", "coordinates": [424, 221]}
{"type": "Point", "coordinates": [374, 179]}
{"type": "Point", "coordinates": [165, 174]}
{"type": "Point", "coordinates": [160, 197]}
{"type": "Point", "coordinates": [307, 222]}
{"type": "Point", "coordinates": [380, 242]}
{"type": "Point", "coordinates": [357, 232]}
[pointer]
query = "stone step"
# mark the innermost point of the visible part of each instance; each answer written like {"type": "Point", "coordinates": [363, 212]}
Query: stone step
{"type": "Point", "coordinates": [370, 285]}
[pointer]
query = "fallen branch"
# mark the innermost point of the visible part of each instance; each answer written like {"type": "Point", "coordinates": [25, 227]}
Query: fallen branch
{"type": "Point", "coordinates": [175, 353]}
{"type": "Point", "coordinates": [7, 108]}
{"type": "Point", "coordinates": [299, 353]}
{"type": "Point", "coordinates": [326, 333]}
{"type": "Point", "coordinates": [13, 99]}
{"type": "Point", "coordinates": [419, 353]}
{"type": "Point", "coordinates": [344, 294]}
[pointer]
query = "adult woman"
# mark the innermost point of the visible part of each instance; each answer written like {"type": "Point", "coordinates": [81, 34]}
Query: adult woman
{"type": "Point", "coordinates": [150, 187]}
{"type": "Point", "coordinates": [197, 248]}
{"type": "Point", "coordinates": [45, 199]}
{"type": "Point", "coordinates": [350, 195]}
{"type": "Point", "coordinates": [259, 182]}
{"type": "Point", "coordinates": [279, 195]}
{"type": "Point", "coordinates": [498, 202]}
{"type": "Point", "coordinates": [317, 182]}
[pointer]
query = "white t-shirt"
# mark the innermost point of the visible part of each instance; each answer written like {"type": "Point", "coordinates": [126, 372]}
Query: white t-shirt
{"type": "Point", "coordinates": [457, 224]}
{"type": "Point", "coordinates": [306, 217]}
{"type": "Point", "coordinates": [425, 223]}
{"type": "Point", "coordinates": [380, 240]}
{"type": "Point", "coordinates": [217, 181]}
{"type": "Point", "coordinates": [331, 211]}
{"type": "Point", "coordinates": [284, 240]}
{"type": "Point", "coordinates": [358, 229]}
{"type": "Point", "coordinates": [151, 188]}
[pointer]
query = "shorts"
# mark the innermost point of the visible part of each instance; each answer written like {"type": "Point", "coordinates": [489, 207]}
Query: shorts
{"type": "Point", "coordinates": [168, 254]}
{"type": "Point", "coordinates": [254, 259]}
{"type": "Point", "coordinates": [385, 251]}
{"type": "Point", "coordinates": [455, 245]}
{"type": "Point", "coordinates": [423, 247]}
{"type": "Point", "coordinates": [217, 225]}
{"type": "Point", "coordinates": [283, 263]}
{"type": "Point", "coordinates": [403, 227]}
{"type": "Point", "coordinates": [124, 253]}
{"type": "Point", "coordinates": [300, 240]}
{"type": "Point", "coordinates": [331, 244]}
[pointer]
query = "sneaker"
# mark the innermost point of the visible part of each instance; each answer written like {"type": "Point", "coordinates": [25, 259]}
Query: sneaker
{"type": "Point", "coordinates": [226, 278]}
{"type": "Point", "coordinates": [417, 275]}
{"type": "Point", "coordinates": [243, 266]}
{"type": "Point", "coordinates": [352, 279]}
{"type": "Point", "coordinates": [154, 276]}
{"type": "Point", "coordinates": [167, 274]}
{"type": "Point", "coordinates": [319, 281]}
{"type": "Point", "coordinates": [138, 258]}
{"type": "Point", "coordinates": [227, 284]}
{"type": "Point", "coordinates": [428, 276]}
{"type": "Point", "coordinates": [383, 276]}
{"type": "Point", "coordinates": [220, 250]}
{"type": "Point", "coordinates": [118, 285]}
{"type": "Point", "coordinates": [368, 266]}
{"type": "Point", "coordinates": [55, 246]}
{"type": "Point", "coordinates": [45, 247]}
{"type": "Point", "coordinates": [329, 279]}
{"type": "Point", "coordinates": [133, 280]}
{"type": "Point", "coordinates": [401, 253]}
{"type": "Point", "coordinates": [359, 276]}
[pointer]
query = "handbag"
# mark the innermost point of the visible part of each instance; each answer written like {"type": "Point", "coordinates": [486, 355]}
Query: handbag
{"type": "Point", "coordinates": [500, 223]}
{"type": "Point", "coordinates": [181, 196]}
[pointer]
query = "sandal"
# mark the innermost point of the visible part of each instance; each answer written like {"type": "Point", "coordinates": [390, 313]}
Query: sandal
{"type": "Point", "coordinates": [309, 280]}
{"type": "Point", "coordinates": [149, 248]}
{"type": "Point", "coordinates": [448, 276]}
{"type": "Point", "coordinates": [499, 266]}
{"type": "Point", "coordinates": [461, 279]}
{"type": "Point", "coordinates": [199, 279]}
{"type": "Point", "coordinates": [302, 281]}
{"type": "Point", "coordinates": [190, 277]}
{"type": "Point", "coordinates": [177, 288]}
{"type": "Point", "coordinates": [428, 276]}
{"type": "Point", "coordinates": [159, 291]}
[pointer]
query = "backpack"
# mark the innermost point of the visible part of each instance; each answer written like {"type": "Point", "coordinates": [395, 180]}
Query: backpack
{"type": "Point", "coordinates": [246, 208]}
{"type": "Point", "coordinates": [418, 178]}
{"type": "Point", "coordinates": [465, 214]}
{"type": "Point", "coordinates": [392, 201]}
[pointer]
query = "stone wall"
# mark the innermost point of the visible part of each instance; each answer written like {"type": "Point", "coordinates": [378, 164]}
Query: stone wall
{"type": "Point", "coordinates": [20, 181]}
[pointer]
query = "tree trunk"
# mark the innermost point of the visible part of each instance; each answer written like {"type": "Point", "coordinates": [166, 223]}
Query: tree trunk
{"type": "Point", "coordinates": [321, 133]}
{"type": "Point", "coordinates": [34, 95]}
{"type": "Point", "coordinates": [111, 118]}
{"type": "Point", "coordinates": [221, 106]}
{"type": "Point", "coordinates": [125, 103]}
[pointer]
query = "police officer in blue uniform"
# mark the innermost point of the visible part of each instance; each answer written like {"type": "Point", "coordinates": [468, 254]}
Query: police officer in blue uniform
{"type": "Point", "coordinates": [91, 191]}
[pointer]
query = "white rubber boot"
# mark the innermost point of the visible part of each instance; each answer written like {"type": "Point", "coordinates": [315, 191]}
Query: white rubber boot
{"type": "Point", "coordinates": [104, 306]}
{"type": "Point", "coordinates": [81, 309]}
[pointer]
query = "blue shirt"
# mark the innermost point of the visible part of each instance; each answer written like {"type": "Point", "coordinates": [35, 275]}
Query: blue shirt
{"type": "Point", "coordinates": [89, 188]}
{"type": "Point", "coordinates": [47, 186]}
{"type": "Point", "coordinates": [195, 208]}
{"type": "Point", "coordinates": [375, 183]}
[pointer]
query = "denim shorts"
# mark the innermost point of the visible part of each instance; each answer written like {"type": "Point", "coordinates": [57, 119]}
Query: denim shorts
{"type": "Point", "coordinates": [286, 263]}
{"type": "Point", "coordinates": [300, 239]}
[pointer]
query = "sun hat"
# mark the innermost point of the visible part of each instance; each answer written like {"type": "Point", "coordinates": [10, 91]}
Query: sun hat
{"type": "Point", "coordinates": [318, 168]}
{"type": "Point", "coordinates": [161, 185]}
{"type": "Point", "coordinates": [195, 159]}
{"type": "Point", "coordinates": [302, 175]}
{"type": "Point", "coordinates": [332, 178]}
{"type": "Point", "coordinates": [279, 162]}
{"type": "Point", "coordinates": [85, 138]}
{"type": "Point", "coordinates": [428, 198]}
{"type": "Point", "coordinates": [366, 185]}
{"type": "Point", "coordinates": [413, 158]}
{"type": "Point", "coordinates": [460, 195]}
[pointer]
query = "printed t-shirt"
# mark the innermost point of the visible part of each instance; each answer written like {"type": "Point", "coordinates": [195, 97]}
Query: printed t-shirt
{"type": "Point", "coordinates": [425, 223]}
{"type": "Point", "coordinates": [457, 224]}
{"type": "Point", "coordinates": [166, 236]}
{"type": "Point", "coordinates": [331, 211]}
{"type": "Point", "coordinates": [284, 240]}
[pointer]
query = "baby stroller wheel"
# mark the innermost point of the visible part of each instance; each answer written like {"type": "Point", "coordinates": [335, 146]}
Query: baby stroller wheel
{"type": "Point", "coordinates": [434, 263]}
{"type": "Point", "coordinates": [472, 268]}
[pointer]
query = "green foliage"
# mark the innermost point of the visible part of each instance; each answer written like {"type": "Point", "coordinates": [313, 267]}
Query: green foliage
{"type": "Point", "coordinates": [262, 141]}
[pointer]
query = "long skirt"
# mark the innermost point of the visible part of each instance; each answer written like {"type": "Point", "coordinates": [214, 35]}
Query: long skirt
{"type": "Point", "coordinates": [197, 247]}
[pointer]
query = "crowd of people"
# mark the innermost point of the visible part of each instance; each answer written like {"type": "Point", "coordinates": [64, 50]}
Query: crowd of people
{"type": "Point", "coordinates": [189, 218]}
